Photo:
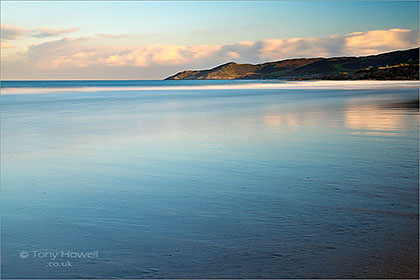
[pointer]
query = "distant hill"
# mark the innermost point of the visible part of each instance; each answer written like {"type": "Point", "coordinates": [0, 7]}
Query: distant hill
{"type": "Point", "coordinates": [396, 65]}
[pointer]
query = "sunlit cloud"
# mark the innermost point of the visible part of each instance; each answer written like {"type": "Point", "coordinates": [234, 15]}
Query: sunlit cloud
{"type": "Point", "coordinates": [275, 49]}
{"type": "Point", "coordinates": [49, 32]}
{"type": "Point", "coordinates": [5, 45]}
{"type": "Point", "coordinates": [357, 43]}
{"type": "Point", "coordinates": [83, 52]}
{"type": "Point", "coordinates": [113, 36]}
{"type": "Point", "coordinates": [97, 53]}
{"type": "Point", "coordinates": [67, 52]}
{"type": "Point", "coordinates": [361, 43]}
{"type": "Point", "coordinates": [11, 32]}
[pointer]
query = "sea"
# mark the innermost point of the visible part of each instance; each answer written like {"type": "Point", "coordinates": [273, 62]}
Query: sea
{"type": "Point", "coordinates": [209, 179]}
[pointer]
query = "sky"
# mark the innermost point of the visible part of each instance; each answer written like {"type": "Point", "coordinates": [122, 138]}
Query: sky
{"type": "Point", "coordinates": [45, 40]}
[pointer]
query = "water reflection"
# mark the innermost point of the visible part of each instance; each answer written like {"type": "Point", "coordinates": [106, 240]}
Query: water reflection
{"type": "Point", "coordinates": [370, 117]}
{"type": "Point", "coordinates": [290, 117]}
{"type": "Point", "coordinates": [360, 115]}
{"type": "Point", "coordinates": [210, 184]}
{"type": "Point", "coordinates": [279, 119]}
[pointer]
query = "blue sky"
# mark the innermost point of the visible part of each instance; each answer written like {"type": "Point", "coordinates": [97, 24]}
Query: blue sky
{"type": "Point", "coordinates": [224, 21]}
{"type": "Point", "coordinates": [200, 23]}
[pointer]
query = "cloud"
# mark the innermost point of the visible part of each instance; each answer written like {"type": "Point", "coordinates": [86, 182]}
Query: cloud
{"type": "Point", "coordinates": [5, 45]}
{"type": "Point", "coordinates": [49, 32]}
{"type": "Point", "coordinates": [362, 43]}
{"type": "Point", "coordinates": [11, 32]}
{"type": "Point", "coordinates": [275, 49]}
{"type": "Point", "coordinates": [234, 55]}
{"type": "Point", "coordinates": [357, 43]}
{"type": "Point", "coordinates": [92, 54]}
{"type": "Point", "coordinates": [83, 52]}
{"type": "Point", "coordinates": [66, 52]}
{"type": "Point", "coordinates": [113, 36]}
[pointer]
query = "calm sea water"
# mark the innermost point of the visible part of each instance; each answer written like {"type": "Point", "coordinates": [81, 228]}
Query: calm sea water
{"type": "Point", "coordinates": [209, 179]}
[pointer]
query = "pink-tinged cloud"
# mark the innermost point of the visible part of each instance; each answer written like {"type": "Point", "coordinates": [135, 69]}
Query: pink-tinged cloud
{"type": "Point", "coordinates": [357, 43]}
{"type": "Point", "coordinates": [113, 36]}
{"type": "Point", "coordinates": [67, 52]}
{"type": "Point", "coordinates": [83, 52]}
{"type": "Point", "coordinates": [5, 45]}
{"type": "Point", "coordinates": [11, 32]}
{"type": "Point", "coordinates": [50, 32]}
{"type": "Point", "coordinates": [92, 54]}
{"type": "Point", "coordinates": [362, 43]}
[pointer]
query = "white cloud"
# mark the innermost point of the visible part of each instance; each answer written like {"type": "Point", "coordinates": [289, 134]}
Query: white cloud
{"type": "Point", "coordinates": [113, 36]}
{"type": "Point", "coordinates": [5, 45]}
{"type": "Point", "coordinates": [49, 32]}
{"type": "Point", "coordinates": [11, 32]}
{"type": "Point", "coordinates": [66, 52]}
{"type": "Point", "coordinates": [157, 60]}
{"type": "Point", "coordinates": [361, 43]}
{"type": "Point", "coordinates": [357, 43]}
{"type": "Point", "coordinates": [234, 55]}
{"type": "Point", "coordinates": [83, 52]}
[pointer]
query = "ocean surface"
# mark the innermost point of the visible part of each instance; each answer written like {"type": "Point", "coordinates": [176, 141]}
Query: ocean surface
{"type": "Point", "coordinates": [209, 179]}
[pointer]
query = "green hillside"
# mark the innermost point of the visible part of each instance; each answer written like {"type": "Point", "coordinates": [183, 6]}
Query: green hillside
{"type": "Point", "coordinates": [396, 65]}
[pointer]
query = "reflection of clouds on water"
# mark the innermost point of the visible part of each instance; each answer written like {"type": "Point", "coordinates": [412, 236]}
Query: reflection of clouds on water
{"type": "Point", "coordinates": [369, 117]}
{"type": "Point", "coordinates": [366, 116]}
{"type": "Point", "coordinates": [277, 118]}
